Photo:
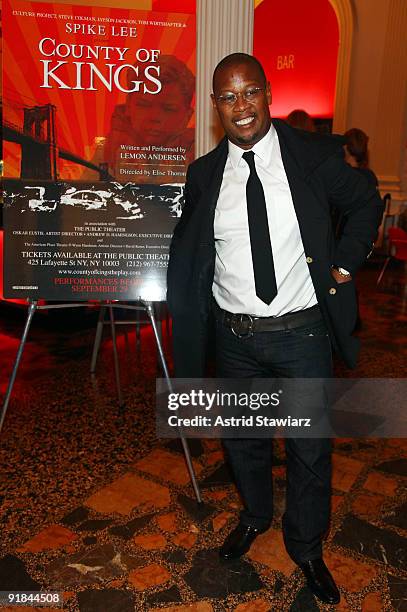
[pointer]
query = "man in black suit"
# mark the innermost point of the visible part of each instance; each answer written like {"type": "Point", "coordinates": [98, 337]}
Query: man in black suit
{"type": "Point", "coordinates": [254, 250]}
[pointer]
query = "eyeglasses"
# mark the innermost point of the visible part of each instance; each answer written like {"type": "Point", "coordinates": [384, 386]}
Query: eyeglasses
{"type": "Point", "coordinates": [250, 95]}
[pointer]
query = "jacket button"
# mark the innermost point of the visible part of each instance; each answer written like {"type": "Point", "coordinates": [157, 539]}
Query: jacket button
{"type": "Point", "coordinates": [309, 259]}
{"type": "Point", "coordinates": [332, 291]}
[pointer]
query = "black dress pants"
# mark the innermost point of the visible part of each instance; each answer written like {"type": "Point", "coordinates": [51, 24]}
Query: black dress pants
{"type": "Point", "coordinates": [302, 352]}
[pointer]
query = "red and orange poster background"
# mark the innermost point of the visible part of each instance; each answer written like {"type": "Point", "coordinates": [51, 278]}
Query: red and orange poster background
{"type": "Point", "coordinates": [83, 118]}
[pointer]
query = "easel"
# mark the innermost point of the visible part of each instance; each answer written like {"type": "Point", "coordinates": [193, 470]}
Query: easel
{"type": "Point", "coordinates": [108, 307]}
{"type": "Point", "coordinates": [146, 306]}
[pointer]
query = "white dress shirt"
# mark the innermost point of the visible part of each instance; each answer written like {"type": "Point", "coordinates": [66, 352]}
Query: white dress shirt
{"type": "Point", "coordinates": [233, 286]}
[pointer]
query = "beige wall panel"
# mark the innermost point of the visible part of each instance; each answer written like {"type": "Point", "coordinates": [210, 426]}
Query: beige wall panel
{"type": "Point", "coordinates": [378, 93]}
{"type": "Point", "coordinates": [366, 66]}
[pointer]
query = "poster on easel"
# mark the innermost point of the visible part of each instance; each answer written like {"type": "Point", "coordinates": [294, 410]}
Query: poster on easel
{"type": "Point", "coordinates": [98, 129]}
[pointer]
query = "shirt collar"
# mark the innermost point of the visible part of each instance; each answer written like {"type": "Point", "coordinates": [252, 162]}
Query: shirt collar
{"type": "Point", "coordinates": [262, 149]}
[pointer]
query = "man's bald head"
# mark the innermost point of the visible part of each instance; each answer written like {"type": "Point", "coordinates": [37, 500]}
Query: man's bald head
{"type": "Point", "coordinates": [236, 59]}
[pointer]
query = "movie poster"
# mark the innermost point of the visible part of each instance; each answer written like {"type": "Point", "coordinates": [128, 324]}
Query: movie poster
{"type": "Point", "coordinates": [98, 128]}
{"type": "Point", "coordinates": [97, 93]}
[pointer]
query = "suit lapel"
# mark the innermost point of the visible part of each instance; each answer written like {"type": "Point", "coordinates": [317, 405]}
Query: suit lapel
{"type": "Point", "coordinates": [296, 182]}
{"type": "Point", "coordinates": [218, 167]}
{"type": "Point", "coordinates": [308, 209]}
{"type": "Point", "coordinates": [210, 198]}
{"type": "Point", "coordinates": [294, 171]}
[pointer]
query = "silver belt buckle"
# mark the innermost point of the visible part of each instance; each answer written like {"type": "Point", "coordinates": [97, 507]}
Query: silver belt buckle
{"type": "Point", "coordinates": [240, 319]}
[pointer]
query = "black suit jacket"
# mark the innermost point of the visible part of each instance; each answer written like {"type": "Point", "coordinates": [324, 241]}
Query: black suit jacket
{"type": "Point", "coordinates": [319, 179]}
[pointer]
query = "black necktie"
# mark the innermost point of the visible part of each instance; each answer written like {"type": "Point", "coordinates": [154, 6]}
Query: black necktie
{"type": "Point", "coordinates": [262, 254]}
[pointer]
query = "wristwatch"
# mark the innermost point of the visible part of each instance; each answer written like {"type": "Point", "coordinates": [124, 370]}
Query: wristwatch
{"type": "Point", "coordinates": [342, 271]}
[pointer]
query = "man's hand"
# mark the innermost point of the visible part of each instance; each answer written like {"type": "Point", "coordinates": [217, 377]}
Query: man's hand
{"type": "Point", "coordinates": [340, 278]}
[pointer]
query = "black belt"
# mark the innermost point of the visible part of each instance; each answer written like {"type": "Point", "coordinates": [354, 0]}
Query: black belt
{"type": "Point", "coordinates": [245, 325]}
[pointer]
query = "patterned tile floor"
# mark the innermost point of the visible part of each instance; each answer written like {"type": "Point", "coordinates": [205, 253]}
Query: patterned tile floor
{"type": "Point", "coordinates": [94, 506]}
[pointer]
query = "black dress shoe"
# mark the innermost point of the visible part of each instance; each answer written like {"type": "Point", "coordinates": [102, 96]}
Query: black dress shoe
{"type": "Point", "coordinates": [239, 541]}
{"type": "Point", "coordinates": [320, 581]}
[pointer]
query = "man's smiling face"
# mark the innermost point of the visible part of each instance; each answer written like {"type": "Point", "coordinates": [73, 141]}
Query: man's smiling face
{"type": "Point", "coordinates": [245, 119]}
